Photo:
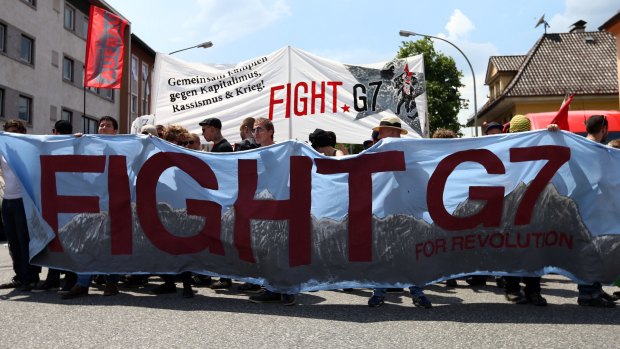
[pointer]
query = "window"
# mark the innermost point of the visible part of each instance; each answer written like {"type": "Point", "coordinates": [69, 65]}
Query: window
{"type": "Point", "coordinates": [66, 115]}
{"type": "Point", "coordinates": [25, 53]}
{"type": "Point", "coordinates": [1, 102]}
{"type": "Point", "coordinates": [67, 69]}
{"type": "Point", "coordinates": [69, 18]}
{"type": "Point", "coordinates": [90, 125]}
{"type": "Point", "coordinates": [145, 88]}
{"type": "Point", "coordinates": [31, 2]}
{"type": "Point", "coordinates": [2, 37]}
{"type": "Point", "coordinates": [108, 93]}
{"type": "Point", "coordinates": [24, 108]}
{"type": "Point", "coordinates": [85, 27]}
{"type": "Point", "coordinates": [134, 68]}
{"type": "Point", "coordinates": [134, 103]}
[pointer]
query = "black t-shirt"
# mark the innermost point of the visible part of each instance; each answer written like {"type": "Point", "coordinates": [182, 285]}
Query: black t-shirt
{"type": "Point", "coordinates": [222, 147]}
{"type": "Point", "coordinates": [246, 144]}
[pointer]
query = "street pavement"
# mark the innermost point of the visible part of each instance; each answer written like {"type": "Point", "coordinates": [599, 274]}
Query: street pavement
{"type": "Point", "coordinates": [462, 317]}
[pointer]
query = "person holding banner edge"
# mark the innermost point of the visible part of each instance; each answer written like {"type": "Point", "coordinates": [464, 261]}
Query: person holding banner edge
{"type": "Point", "coordinates": [15, 223]}
{"type": "Point", "coordinates": [390, 126]}
{"type": "Point", "coordinates": [212, 132]}
{"type": "Point", "coordinates": [107, 126]}
{"type": "Point", "coordinates": [263, 131]}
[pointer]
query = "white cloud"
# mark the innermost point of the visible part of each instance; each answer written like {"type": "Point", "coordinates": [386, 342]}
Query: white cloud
{"type": "Point", "coordinates": [459, 26]}
{"type": "Point", "coordinates": [595, 12]}
{"type": "Point", "coordinates": [226, 21]}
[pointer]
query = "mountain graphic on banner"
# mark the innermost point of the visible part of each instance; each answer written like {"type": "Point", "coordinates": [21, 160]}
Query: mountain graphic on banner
{"type": "Point", "coordinates": [405, 249]}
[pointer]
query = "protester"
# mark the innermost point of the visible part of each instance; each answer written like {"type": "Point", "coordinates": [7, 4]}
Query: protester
{"type": "Point", "coordinates": [614, 143]}
{"type": "Point", "coordinates": [107, 126]}
{"type": "Point", "coordinates": [323, 142]}
{"type": "Point", "coordinates": [149, 130]}
{"type": "Point", "coordinates": [161, 130]}
{"type": "Point", "coordinates": [512, 288]}
{"type": "Point", "coordinates": [212, 132]}
{"type": "Point", "coordinates": [263, 134]}
{"type": "Point", "coordinates": [140, 122]}
{"type": "Point", "coordinates": [493, 128]}
{"type": "Point", "coordinates": [178, 135]}
{"type": "Point", "coordinates": [593, 294]}
{"type": "Point", "coordinates": [247, 143]}
{"type": "Point", "coordinates": [52, 281]}
{"type": "Point", "coordinates": [247, 140]}
{"type": "Point", "coordinates": [193, 142]}
{"type": "Point", "coordinates": [444, 133]}
{"type": "Point", "coordinates": [390, 127]}
{"type": "Point", "coordinates": [597, 128]}
{"type": "Point", "coordinates": [15, 224]}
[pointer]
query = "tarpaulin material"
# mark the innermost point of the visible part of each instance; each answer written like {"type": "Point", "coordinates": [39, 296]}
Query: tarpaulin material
{"type": "Point", "coordinates": [406, 211]}
{"type": "Point", "coordinates": [298, 91]}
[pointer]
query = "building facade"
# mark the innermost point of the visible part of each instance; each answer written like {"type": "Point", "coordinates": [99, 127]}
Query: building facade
{"type": "Point", "coordinates": [42, 54]}
{"type": "Point", "coordinates": [579, 62]}
{"type": "Point", "coordinates": [613, 26]}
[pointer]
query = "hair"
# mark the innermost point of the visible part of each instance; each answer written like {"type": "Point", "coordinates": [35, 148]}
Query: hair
{"type": "Point", "coordinates": [614, 143]}
{"type": "Point", "coordinates": [375, 136]}
{"type": "Point", "coordinates": [110, 119]}
{"type": "Point", "coordinates": [267, 123]}
{"type": "Point", "coordinates": [248, 122]}
{"type": "Point", "coordinates": [63, 127]}
{"type": "Point", "coordinates": [18, 124]}
{"type": "Point", "coordinates": [595, 124]}
{"type": "Point", "coordinates": [444, 133]}
{"type": "Point", "coordinates": [332, 138]}
{"type": "Point", "coordinates": [174, 133]}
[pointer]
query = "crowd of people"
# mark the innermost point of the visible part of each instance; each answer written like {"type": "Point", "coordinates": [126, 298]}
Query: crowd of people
{"type": "Point", "coordinates": [254, 133]}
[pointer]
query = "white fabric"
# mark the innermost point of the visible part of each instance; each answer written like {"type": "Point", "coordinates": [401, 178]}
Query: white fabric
{"type": "Point", "coordinates": [12, 187]}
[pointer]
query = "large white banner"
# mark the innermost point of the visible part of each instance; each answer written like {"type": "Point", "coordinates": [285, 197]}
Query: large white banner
{"type": "Point", "coordinates": [298, 91]}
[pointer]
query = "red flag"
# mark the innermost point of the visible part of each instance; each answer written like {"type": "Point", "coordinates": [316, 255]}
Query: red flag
{"type": "Point", "coordinates": [561, 118]}
{"type": "Point", "coordinates": [104, 49]}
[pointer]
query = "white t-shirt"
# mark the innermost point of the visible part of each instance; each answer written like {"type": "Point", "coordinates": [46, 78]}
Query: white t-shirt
{"type": "Point", "coordinates": [12, 187]}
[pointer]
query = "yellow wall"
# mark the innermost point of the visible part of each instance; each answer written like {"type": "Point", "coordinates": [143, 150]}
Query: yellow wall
{"type": "Point", "coordinates": [577, 104]}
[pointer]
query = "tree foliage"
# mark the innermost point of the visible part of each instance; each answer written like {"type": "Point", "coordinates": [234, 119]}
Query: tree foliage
{"type": "Point", "coordinates": [443, 80]}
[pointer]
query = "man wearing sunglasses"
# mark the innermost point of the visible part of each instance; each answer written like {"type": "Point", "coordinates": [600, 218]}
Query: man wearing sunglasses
{"type": "Point", "coordinates": [212, 132]}
{"type": "Point", "coordinates": [263, 132]}
{"type": "Point", "coordinates": [193, 142]}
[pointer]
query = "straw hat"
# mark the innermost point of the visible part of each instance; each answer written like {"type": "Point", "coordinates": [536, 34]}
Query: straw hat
{"type": "Point", "coordinates": [391, 122]}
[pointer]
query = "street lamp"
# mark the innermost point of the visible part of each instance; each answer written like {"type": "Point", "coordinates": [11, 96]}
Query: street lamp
{"type": "Point", "coordinates": [473, 75]}
{"type": "Point", "coordinates": [203, 45]}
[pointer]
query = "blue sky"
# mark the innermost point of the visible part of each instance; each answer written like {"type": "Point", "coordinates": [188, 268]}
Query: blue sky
{"type": "Point", "coordinates": [356, 31]}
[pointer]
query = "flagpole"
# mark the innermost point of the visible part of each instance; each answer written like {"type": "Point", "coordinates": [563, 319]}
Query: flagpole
{"type": "Point", "coordinates": [290, 120]}
{"type": "Point", "coordinates": [84, 102]}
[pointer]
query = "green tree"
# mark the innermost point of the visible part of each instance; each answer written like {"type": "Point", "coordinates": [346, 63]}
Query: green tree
{"type": "Point", "coordinates": [443, 80]}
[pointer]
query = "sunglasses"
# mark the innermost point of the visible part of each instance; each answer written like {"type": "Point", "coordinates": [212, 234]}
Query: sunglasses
{"type": "Point", "coordinates": [258, 129]}
{"type": "Point", "coordinates": [184, 144]}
